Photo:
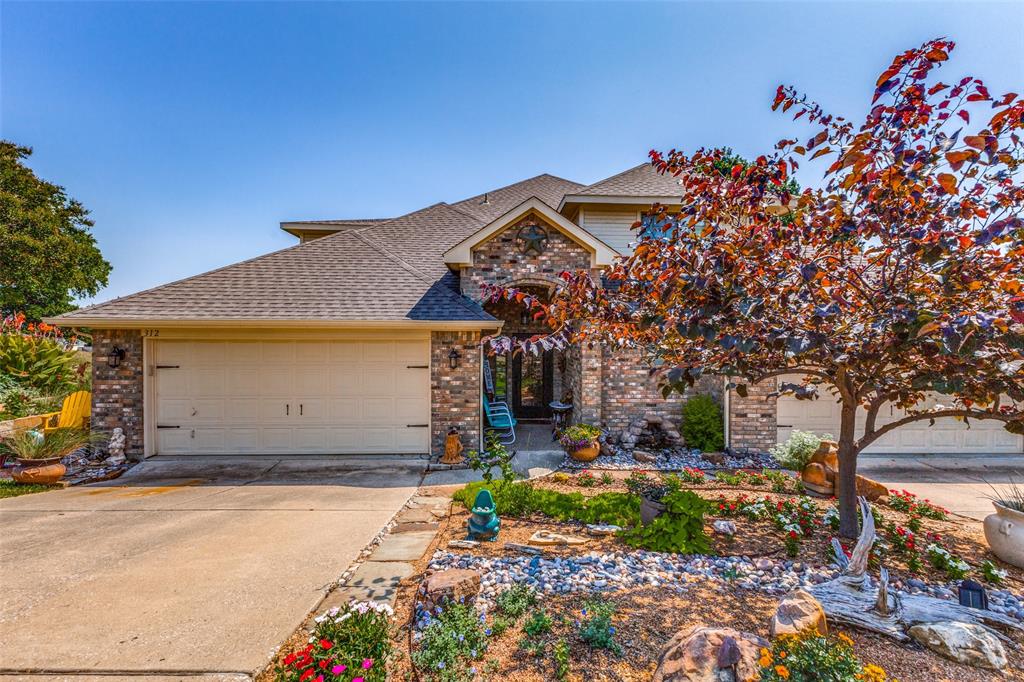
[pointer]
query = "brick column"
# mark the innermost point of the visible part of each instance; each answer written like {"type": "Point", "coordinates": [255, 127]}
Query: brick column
{"type": "Point", "coordinates": [454, 393]}
{"type": "Point", "coordinates": [753, 421]}
{"type": "Point", "coordinates": [117, 395]}
{"type": "Point", "coordinates": [587, 402]}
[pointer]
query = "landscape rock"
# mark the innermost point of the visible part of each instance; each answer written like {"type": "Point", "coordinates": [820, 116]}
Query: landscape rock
{"type": "Point", "coordinates": [798, 611]}
{"type": "Point", "coordinates": [724, 527]}
{"type": "Point", "coordinates": [964, 642]}
{"type": "Point", "coordinates": [872, 490]}
{"type": "Point", "coordinates": [716, 458]}
{"type": "Point", "coordinates": [644, 456]}
{"type": "Point", "coordinates": [455, 584]}
{"type": "Point", "coordinates": [703, 654]}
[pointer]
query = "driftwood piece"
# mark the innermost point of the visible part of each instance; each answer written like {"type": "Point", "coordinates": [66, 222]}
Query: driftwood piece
{"type": "Point", "coordinates": [854, 599]}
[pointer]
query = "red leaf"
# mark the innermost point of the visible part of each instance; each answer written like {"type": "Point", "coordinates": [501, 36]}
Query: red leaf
{"type": "Point", "coordinates": [948, 183]}
{"type": "Point", "coordinates": [964, 115]}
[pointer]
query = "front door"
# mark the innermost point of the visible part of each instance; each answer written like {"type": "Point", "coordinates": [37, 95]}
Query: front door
{"type": "Point", "coordinates": [530, 384]}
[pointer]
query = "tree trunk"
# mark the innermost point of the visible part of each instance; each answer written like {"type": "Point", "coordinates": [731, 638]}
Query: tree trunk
{"type": "Point", "coordinates": [848, 472]}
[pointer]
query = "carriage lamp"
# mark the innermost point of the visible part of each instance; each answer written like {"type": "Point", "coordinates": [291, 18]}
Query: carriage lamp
{"type": "Point", "coordinates": [453, 358]}
{"type": "Point", "coordinates": [973, 595]}
{"type": "Point", "coordinates": [116, 356]}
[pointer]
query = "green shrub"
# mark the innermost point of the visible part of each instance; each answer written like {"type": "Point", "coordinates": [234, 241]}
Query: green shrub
{"type": "Point", "coordinates": [515, 601]}
{"type": "Point", "coordinates": [522, 499]}
{"type": "Point", "coordinates": [680, 528]}
{"type": "Point", "coordinates": [703, 427]}
{"type": "Point", "coordinates": [811, 657]}
{"type": "Point", "coordinates": [453, 639]}
{"type": "Point", "coordinates": [596, 627]}
{"type": "Point", "coordinates": [796, 452]}
{"type": "Point", "coordinates": [561, 655]}
{"type": "Point", "coordinates": [38, 362]}
{"type": "Point", "coordinates": [539, 623]}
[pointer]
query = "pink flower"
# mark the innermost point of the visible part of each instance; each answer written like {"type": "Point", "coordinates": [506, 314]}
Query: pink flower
{"type": "Point", "coordinates": [357, 679]}
{"type": "Point", "coordinates": [339, 669]}
{"type": "Point", "coordinates": [367, 663]}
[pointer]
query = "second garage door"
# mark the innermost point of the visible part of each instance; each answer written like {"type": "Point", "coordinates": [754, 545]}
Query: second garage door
{"type": "Point", "coordinates": [947, 436]}
{"type": "Point", "coordinates": [291, 397]}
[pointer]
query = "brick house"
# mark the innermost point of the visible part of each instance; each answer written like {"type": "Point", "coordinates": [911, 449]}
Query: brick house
{"type": "Point", "coordinates": [365, 336]}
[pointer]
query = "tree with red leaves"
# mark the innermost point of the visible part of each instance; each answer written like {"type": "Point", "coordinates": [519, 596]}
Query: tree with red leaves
{"type": "Point", "coordinates": [900, 279]}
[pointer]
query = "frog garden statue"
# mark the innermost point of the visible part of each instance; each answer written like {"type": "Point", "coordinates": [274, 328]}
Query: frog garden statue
{"type": "Point", "coordinates": [483, 521]}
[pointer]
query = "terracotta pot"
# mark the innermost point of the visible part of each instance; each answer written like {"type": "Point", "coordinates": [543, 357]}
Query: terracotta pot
{"type": "Point", "coordinates": [650, 510]}
{"type": "Point", "coordinates": [587, 454]}
{"type": "Point", "coordinates": [45, 471]}
{"type": "Point", "coordinates": [1004, 532]}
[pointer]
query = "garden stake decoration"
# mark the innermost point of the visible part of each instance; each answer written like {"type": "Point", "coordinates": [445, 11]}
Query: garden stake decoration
{"type": "Point", "coordinates": [898, 279]}
{"type": "Point", "coordinates": [483, 521]}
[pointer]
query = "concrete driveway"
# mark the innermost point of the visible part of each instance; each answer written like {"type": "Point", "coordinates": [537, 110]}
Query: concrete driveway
{"type": "Point", "coordinates": [961, 483]}
{"type": "Point", "coordinates": [183, 566]}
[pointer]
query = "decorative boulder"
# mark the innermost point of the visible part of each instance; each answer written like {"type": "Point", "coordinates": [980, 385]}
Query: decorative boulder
{"type": "Point", "coordinates": [724, 527]}
{"type": "Point", "coordinates": [872, 490]}
{"type": "Point", "coordinates": [703, 654]}
{"type": "Point", "coordinates": [455, 584]}
{"type": "Point", "coordinates": [716, 458]}
{"type": "Point", "coordinates": [821, 475]}
{"type": "Point", "coordinates": [964, 642]}
{"type": "Point", "coordinates": [798, 611]}
{"type": "Point", "coordinates": [644, 457]}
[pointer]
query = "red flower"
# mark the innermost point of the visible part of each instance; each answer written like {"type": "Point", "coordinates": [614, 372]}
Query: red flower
{"type": "Point", "coordinates": [306, 675]}
{"type": "Point", "coordinates": [326, 643]}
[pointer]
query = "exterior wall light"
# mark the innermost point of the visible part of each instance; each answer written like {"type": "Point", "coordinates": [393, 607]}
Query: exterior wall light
{"type": "Point", "coordinates": [453, 358]}
{"type": "Point", "coordinates": [116, 356]}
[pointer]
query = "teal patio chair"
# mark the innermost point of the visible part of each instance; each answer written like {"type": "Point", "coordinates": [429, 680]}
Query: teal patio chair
{"type": "Point", "coordinates": [500, 419]}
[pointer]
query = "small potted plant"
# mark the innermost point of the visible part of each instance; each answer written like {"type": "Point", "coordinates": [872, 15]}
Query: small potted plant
{"type": "Point", "coordinates": [1004, 530]}
{"type": "Point", "coordinates": [651, 491]}
{"type": "Point", "coordinates": [580, 442]}
{"type": "Point", "coordinates": [38, 458]}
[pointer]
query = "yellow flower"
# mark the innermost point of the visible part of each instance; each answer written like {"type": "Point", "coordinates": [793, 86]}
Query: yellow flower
{"type": "Point", "coordinates": [873, 673]}
{"type": "Point", "coordinates": [846, 640]}
{"type": "Point", "coordinates": [782, 672]}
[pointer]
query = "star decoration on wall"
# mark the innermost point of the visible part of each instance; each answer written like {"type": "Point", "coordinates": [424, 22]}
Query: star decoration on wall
{"type": "Point", "coordinates": [532, 240]}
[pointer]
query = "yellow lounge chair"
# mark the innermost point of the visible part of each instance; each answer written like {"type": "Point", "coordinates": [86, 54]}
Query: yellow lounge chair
{"type": "Point", "coordinates": [74, 412]}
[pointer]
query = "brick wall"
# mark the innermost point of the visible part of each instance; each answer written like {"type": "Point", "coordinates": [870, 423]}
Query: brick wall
{"type": "Point", "coordinates": [629, 391]}
{"type": "Point", "coordinates": [117, 396]}
{"type": "Point", "coordinates": [752, 420]}
{"type": "Point", "coordinates": [455, 393]}
{"type": "Point", "coordinates": [499, 260]}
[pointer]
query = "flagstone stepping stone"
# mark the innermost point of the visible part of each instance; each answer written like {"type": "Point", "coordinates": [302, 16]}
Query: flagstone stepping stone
{"type": "Point", "coordinates": [546, 537]}
{"type": "Point", "coordinates": [372, 581]}
{"type": "Point", "coordinates": [403, 546]}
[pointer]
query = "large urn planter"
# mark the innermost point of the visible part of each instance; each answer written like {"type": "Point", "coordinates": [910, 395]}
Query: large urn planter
{"type": "Point", "coordinates": [41, 471]}
{"type": "Point", "coordinates": [1004, 532]}
{"type": "Point", "coordinates": [580, 442]}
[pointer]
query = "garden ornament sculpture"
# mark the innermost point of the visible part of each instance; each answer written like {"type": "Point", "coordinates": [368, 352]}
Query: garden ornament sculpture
{"type": "Point", "coordinates": [483, 521]}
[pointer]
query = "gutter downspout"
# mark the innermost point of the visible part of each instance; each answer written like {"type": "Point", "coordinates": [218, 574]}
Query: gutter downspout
{"type": "Point", "coordinates": [728, 415]}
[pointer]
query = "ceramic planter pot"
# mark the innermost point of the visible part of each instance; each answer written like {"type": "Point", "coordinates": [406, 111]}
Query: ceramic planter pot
{"type": "Point", "coordinates": [45, 471]}
{"type": "Point", "coordinates": [1004, 532]}
{"type": "Point", "coordinates": [587, 454]}
{"type": "Point", "coordinates": [650, 510]}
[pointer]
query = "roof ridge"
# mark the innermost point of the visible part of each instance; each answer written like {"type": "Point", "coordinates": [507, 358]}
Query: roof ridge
{"type": "Point", "coordinates": [513, 184]}
{"type": "Point", "coordinates": [617, 175]}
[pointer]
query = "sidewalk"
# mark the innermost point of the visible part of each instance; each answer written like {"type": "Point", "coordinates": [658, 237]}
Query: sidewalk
{"type": "Point", "coordinates": [960, 483]}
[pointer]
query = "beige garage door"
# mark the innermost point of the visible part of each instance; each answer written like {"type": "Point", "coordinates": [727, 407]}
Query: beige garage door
{"type": "Point", "coordinates": [947, 436]}
{"type": "Point", "coordinates": [291, 397]}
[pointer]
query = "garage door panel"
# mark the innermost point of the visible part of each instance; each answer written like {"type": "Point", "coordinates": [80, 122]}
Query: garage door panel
{"type": "Point", "coordinates": [947, 436]}
{"type": "Point", "coordinates": [293, 397]}
{"type": "Point", "coordinates": [241, 410]}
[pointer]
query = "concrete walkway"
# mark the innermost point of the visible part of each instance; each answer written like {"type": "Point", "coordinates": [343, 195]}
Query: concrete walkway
{"type": "Point", "coordinates": [961, 484]}
{"type": "Point", "coordinates": [183, 567]}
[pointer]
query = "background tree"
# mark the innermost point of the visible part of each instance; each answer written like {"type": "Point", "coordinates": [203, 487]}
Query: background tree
{"type": "Point", "coordinates": [902, 277]}
{"type": "Point", "coordinates": [47, 255]}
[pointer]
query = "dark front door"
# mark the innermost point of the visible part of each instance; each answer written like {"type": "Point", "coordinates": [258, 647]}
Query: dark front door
{"type": "Point", "coordinates": [530, 384]}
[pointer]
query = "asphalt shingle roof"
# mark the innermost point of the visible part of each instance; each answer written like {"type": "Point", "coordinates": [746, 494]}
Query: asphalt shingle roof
{"type": "Point", "coordinates": [640, 181]}
{"type": "Point", "coordinates": [377, 269]}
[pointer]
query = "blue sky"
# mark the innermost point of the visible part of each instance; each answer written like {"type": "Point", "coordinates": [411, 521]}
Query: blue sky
{"type": "Point", "coordinates": [192, 129]}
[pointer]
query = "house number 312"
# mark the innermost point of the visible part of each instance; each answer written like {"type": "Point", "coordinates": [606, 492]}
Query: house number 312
{"type": "Point", "coordinates": [151, 332]}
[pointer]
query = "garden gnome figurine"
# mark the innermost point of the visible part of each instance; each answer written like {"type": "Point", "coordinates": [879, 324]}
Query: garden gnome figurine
{"type": "Point", "coordinates": [115, 449]}
{"type": "Point", "coordinates": [452, 448]}
{"type": "Point", "coordinates": [484, 522]}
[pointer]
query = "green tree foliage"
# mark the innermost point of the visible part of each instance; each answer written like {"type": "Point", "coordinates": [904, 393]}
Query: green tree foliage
{"type": "Point", "coordinates": [47, 255]}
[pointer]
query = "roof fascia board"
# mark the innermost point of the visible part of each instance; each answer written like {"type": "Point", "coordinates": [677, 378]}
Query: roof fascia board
{"type": "Point", "coordinates": [617, 199]}
{"type": "Point", "coordinates": [601, 253]}
{"type": "Point", "coordinates": [138, 323]}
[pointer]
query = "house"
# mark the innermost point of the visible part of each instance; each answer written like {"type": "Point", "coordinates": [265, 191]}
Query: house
{"type": "Point", "coordinates": [365, 337]}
